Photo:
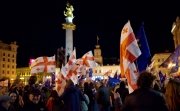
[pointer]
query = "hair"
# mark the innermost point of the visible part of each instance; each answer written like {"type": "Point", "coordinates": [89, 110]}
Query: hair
{"type": "Point", "coordinates": [145, 80]}
{"type": "Point", "coordinates": [122, 84]}
{"type": "Point", "coordinates": [172, 94]}
{"type": "Point", "coordinates": [69, 83]}
{"type": "Point", "coordinates": [54, 94]}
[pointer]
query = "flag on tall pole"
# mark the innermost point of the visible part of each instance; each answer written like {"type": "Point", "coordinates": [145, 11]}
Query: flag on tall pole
{"type": "Point", "coordinates": [144, 58]}
{"type": "Point", "coordinates": [129, 52]}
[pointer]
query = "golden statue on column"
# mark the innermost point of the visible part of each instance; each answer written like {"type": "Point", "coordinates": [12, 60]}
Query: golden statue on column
{"type": "Point", "coordinates": [176, 32]}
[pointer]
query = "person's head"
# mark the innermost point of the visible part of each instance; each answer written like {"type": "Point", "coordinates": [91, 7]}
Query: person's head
{"type": "Point", "coordinates": [69, 83]}
{"type": "Point", "coordinates": [35, 96]}
{"type": "Point", "coordinates": [172, 93]}
{"type": "Point", "coordinates": [14, 96]}
{"type": "Point", "coordinates": [5, 101]}
{"type": "Point", "coordinates": [54, 94]}
{"type": "Point", "coordinates": [122, 84]}
{"type": "Point", "coordinates": [145, 80]}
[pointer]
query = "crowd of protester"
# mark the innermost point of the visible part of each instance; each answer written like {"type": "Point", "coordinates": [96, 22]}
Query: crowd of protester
{"type": "Point", "coordinates": [151, 95]}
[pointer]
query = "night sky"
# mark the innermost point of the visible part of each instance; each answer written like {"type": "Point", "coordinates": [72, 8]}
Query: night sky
{"type": "Point", "coordinates": [36, 25]}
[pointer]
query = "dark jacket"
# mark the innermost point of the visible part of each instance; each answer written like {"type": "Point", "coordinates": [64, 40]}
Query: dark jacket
{"type": "Point", "coordinates": [72, 98]}
{"type": "Point", "coordinates": [2, 108]}
{"type": "Point", "coordinates": [123, 93]}
{"type": "Point", "coordinates": [34, 107]}
{"type": "Point", "coordinates": [145, 100]}
{"type": "Point", "coordinates": [103, 98]}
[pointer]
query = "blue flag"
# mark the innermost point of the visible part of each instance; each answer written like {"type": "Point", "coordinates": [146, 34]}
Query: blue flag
{"type": "Point", "coordinates": [113, 81]}
{"type": "Point", "coordinates": [90, 72]}
{"type": "Point", "coordinates": [162, 77]}
{"type": "Point", "coordinates": [144, 58]}
{"type": "Point", "coordinates": [173, 59]}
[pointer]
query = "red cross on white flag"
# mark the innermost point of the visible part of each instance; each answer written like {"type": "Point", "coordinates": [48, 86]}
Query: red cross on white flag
{"type": "Point", "coordinates": [43, 64]}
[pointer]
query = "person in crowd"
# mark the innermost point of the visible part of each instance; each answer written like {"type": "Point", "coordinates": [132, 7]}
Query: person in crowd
{"type": "Point", "coordinates": [145, 98]}
{"type": "Point", "coordinates": [157, 86]}
{"type": "Point", "coordinates": [89, 92]}
{"type": "Point", "coordinates": [54, 103]}
{"type": "Point", "coordinates": [4, 102]}
{"type": "Point", "coordinates": [122, 90]}
{"type": "Point", "coordinates": [34, 103]}
{"type": "Point", "coordinates": [85, 103]}
{"type": "Point", "coordinates": [26, 94]}
{"type": "Point", "coordinates": [72, 97]}
{"type": "Point", "coordinates": [16, 103]}
{"type": "Point", "coordinates": [172, 95]}
{"type": "Point", "coordinates": [103, 97]}
{"type": "Point", "coordinates": [117, 102]}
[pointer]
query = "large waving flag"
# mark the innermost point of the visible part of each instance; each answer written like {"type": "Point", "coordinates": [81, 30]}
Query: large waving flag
{"type": "Point", "coordinates": [43, 64]}
{"type": "Point", "coordinates": [129, 52]}
{"type": "Point", "coordinates": [88, 59]}
{"type": "Point", "coordinates": [144, 58]}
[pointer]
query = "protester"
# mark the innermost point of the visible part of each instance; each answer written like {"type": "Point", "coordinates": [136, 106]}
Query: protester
{"type": "Point", "coordinates": [34, 102]}
{"type": "Point", "coordinates": [16, 103]}
{"type": "Point", "coordinates": [145, 98]}
{"type": "Point", "coordinates": [122, 90]}
{"type": "Point", "coordinates": [103, 97]}
{"type": "Point", "coordinates": [4, 102]}
{"type": "Point", "coordinates": [172, 95]}
{"type": "Point", "coordinates": [72, 97]}
{"type": "Point", "coordinates": [54, 103]}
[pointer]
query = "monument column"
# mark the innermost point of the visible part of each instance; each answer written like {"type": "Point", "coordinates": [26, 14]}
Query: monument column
{"type": "Point", "coordinates": [69, 27]}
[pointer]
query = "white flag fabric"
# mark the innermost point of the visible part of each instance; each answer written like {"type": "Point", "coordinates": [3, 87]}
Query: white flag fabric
{"type": "Point", "coordinates": [72, 60]}
{"type": "Point", "coordinates": [129, 52]}
{"type": "Point", "coordinates": [43, 64]}
{"type": "Point", "coordinates": [88, 59]}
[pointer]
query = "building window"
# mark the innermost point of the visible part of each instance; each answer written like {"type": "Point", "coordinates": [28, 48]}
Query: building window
{"type": "Point", "coordinates": [13, 66]}
{"type": "Point", "coordinates": [3, 71]}
{"type": "Point", "coordinates": [3, 65]}
{"type": "Point", "coordinates": [8, 55]}
{"type": "Point", "coordinates": [13, 60]}
{"type": "Point", "coordinates": [13, 56]}
{"type": "Point", "coordinates": [12, 72]}
{"type": "Point", "coordinates": [3, 59]}
{"type": "Point", "coordinates": [8, 60]}
{"type": "Point", "coordinates": [7, 66]}
{"type": "Point", "coordinates": [95, 71]}
{"type": "Point", "coordinates": [99, 71]}
{"type": "Point", "coordinates": [7, 72]}
{"type": "Point", "coordinates": [3, 54]}
{"type": "Point", "coordinates": [159, 60]}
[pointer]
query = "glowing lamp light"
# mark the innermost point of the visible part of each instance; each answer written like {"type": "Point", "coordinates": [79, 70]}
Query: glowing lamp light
{"type": "Point", "coordinates": [31, 61]}
{"type": "Point", "coordinates": [170, 65]}
{"type": "Point", "coordinates": [22, 78]}
{"type": "Point", "coordinates": [173, 28]}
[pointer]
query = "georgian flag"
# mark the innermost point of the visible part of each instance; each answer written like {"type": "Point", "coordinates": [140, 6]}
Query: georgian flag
{"type": "Point", "coordinates": [88, 60]}
{"type": "Point", "coordinates": [43, 64]}
{"type": "Point", "coordinates": [129, 52]}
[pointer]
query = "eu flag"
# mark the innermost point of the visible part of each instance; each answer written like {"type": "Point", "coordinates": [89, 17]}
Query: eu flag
{"type": "Point", "coordinates": [174, 58]}
{"type": "Point", "coordinates": [143, 60]}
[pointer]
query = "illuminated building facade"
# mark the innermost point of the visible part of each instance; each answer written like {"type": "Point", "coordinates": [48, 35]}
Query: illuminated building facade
{"type": "Point", "coordinates": [8, 53]}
